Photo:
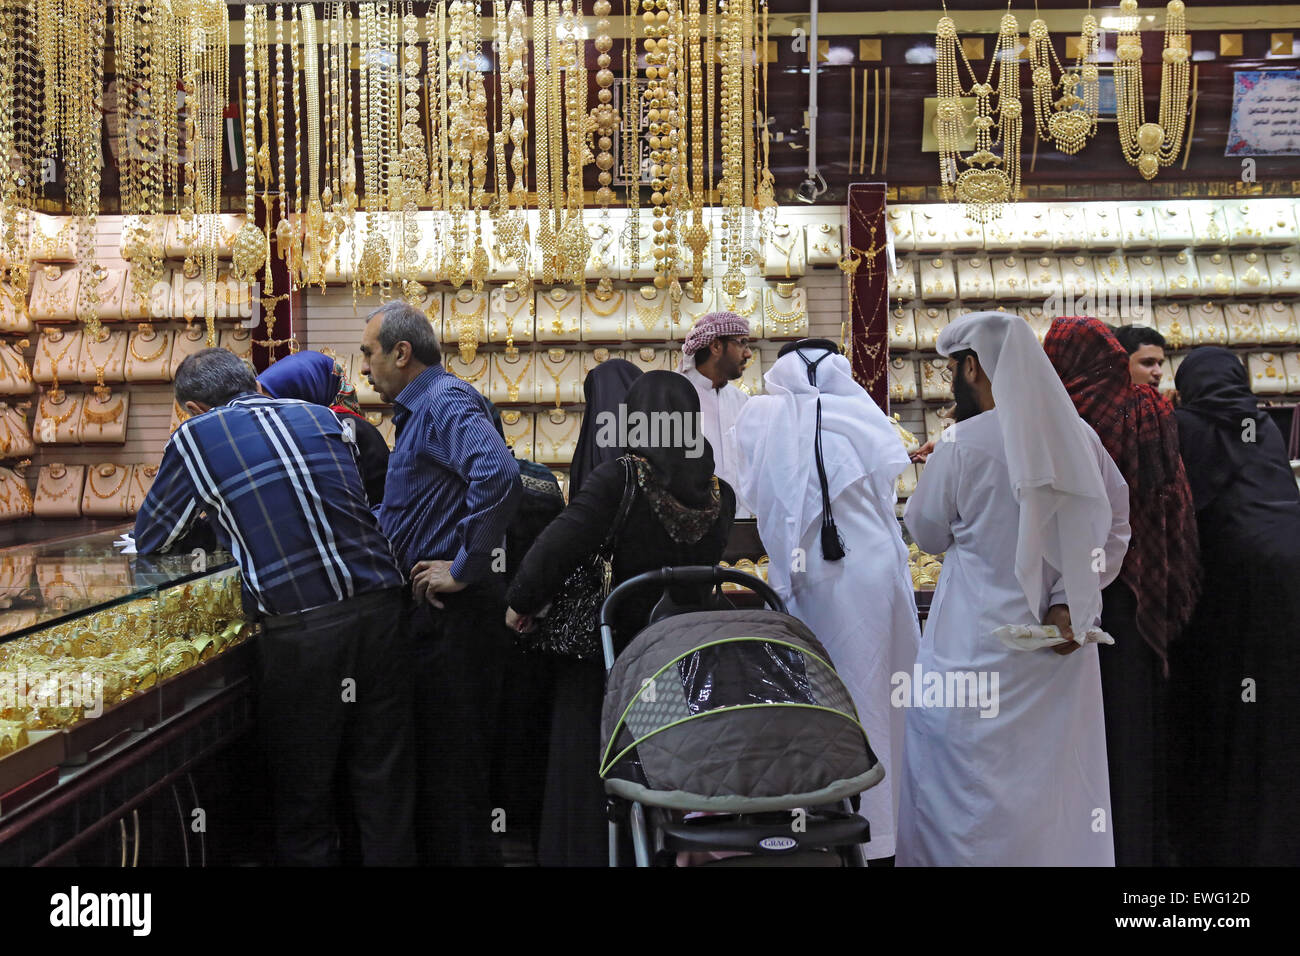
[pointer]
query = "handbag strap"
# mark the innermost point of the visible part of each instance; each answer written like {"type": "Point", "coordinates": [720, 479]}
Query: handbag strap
{"type": "Point", "coordinates": [624, 507]}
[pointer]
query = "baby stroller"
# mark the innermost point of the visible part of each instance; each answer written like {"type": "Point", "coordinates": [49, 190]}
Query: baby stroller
{"type": "Point", "coordinates": [737, 712]}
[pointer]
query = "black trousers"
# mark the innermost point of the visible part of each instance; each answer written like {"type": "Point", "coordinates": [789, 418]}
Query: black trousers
{"type": "Point", "coordinates": [460, 659]}
{"type": "Point", "coordinates": [335, 688]}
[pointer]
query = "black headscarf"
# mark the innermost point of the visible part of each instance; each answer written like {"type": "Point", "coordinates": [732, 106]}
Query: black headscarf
{"type": "Point", "coordinates": [687, 479]}
{"type": "Point", "coordinates": [1213, 418]}
{"type": "Point", "coordinates": [604, 389]}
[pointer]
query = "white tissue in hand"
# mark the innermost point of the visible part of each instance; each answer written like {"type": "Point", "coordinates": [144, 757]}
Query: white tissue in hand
{"type": "Point", "coordinates": [126, 543]}
{"type": "Point", "coordinates": [1032, 637]}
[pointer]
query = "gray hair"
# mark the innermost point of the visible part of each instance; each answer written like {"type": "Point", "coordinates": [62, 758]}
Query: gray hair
{"type": "Point", "coordinates": [213, 377]}
{"type": "Point", "coordinates": [405, 323]}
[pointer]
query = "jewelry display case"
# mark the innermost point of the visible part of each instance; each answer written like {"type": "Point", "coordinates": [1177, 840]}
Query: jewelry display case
{"type": "Point", "coordinates": [99, 650]}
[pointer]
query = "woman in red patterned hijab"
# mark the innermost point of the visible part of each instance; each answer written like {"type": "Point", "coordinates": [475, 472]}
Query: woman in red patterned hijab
{"type": "Point", "coordinates": [1156, 592]}
{"type": "Point", "coordinates": [1138, 428]}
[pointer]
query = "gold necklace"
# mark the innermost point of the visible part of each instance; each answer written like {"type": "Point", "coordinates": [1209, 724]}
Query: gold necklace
{"type": "Point", "coordinates": [87, 352]}
{"type": "Point", "coordinates": [743, 313]}
{"type": "Point", "coordinates": [474, 377]}
{"type": "Point", "coordinates": [1148, 146]}
{"type": "Point", "coordinates": [557, 307]}
{"type": "Point", "coordinates": [112, 493]}
{"type": "Point", "coordinates": [44, 490]}
{"type": "Point", "coordinates": [794, 316]}
{"type": "Point", "coordinates": [563, 440]}
{"type": "Point", "coordinates": [512, 385]}
{"type": "Point", "coordinates": [467, 327]}
{"type": "Point", "coordinates": [49, 415]}
{"type": "Point", "coordinates": [990, 180]}
{"type": "Point", "coordinates": [1072, 119]}
{"type": "Point", "coordinates": [646, 317]}
{"type": "Point", "coordinates": [102, 418]}
{"type": "Point", "coordinates": [788, 251]}
{"type": "Point", "coordinates": [554, 355]}
{"type": "Point", "coordinates": [135, 352]}
{"type": "Point", "coordinates": [590, 303]}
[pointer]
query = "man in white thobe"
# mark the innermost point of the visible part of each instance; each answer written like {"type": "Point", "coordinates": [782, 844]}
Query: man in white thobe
{"type": "Point", "coordinates": [1033, 517]}
{"type": "Point", "coordinates": [714, 355]}
{"type": "Point", "coordinates": [838, 557]}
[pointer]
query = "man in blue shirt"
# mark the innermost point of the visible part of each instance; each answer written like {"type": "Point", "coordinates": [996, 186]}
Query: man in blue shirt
{"type": "Point", "coordinates": [280, 479]}
{"type": "Point", "coordinates": [452, 489]}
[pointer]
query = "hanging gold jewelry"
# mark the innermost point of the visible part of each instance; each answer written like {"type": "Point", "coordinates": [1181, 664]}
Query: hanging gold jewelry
{"type": "Point", "coordinates": [989, 181]}
{"type": "Point", "coordinates": [1071, 120]}
{"type": "Point", "coordinates": [1148, 146]}
{"type": "Point", "coordinates": [249, 253]}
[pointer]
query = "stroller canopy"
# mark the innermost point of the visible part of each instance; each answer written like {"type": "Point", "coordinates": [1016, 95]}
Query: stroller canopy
{"type": "Point", "coordinates": [731, 711]}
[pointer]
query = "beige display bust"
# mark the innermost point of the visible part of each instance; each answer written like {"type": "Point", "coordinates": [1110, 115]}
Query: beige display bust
{"type": "Point", "coordinates": [58, 353]}
{"type": "Point", "coordinates": [649, 315]}
{"type": "Point", "coordinates": [902, 329]}
{"type": "Point", "coordinates": [558, 380]}
{"type": "Point", "coordinates": [559, 314]}
{"type": "Point", "coordinates": [1172, 321]}
{"type": "Point", "coordinates": [513, 377]}
{"type": "Point", "coordinates": [58, 418]}
{"type": "Point", "coordinates": [1251, 272]}
{"type": "Point", "coordinates": [103, 360]}
{"type": "Point", "coordinates": [1284, 272]}
{"type": "Point", "coordinates": [1217, 279]}
{"type": "Point", "coordinates": [465, 325]}
{"type": "Point", "coordinates": [604, 316]}
{"type": "Point", "coordinates": [556, 436]}
{"type": "Point", "coordinates": [477, 373]}
{"type": "Point", "coordinates": [54, 293]}
{"type": "Point", "coordinates": [1043, 277]}
{"type": "Point", "coordinates": [785, 312]}
{"type": "Point", "coordinates": [1244, 325]}
{"type": "Point", "coordinates": [930, 321]}
{"type": "Point", "coordinates": [103, 419]}
{"type": "Point", "coordinates": [1267, 373]}
{"type": "Point", "coordinates": [823, 243]}
{"type": "Point", "coordinates": [901, 230]}
{"type": "Point", "coordinates": [1138, 228]}
{"type": "Point", "coordinates": [193, 338]}
{"type": "Point", "coordinates": [58, 490]}
{"type": "Point", "coordinates": [1069, 224]}
{"type": "Point", "coordinates": [938, 280]}
{"type": "Point", "coordinates": [1278, 323]}
{"type": "Point", "coordinates": [975, 279]}
{"type": "Point", "coordinates": [936, 380]}
{"type": "Point", "coordinates": [1173, 225]}
{"type": "Point", "coordinates": [15, 376]}
{"type": "Point", "coordinates": [142, 477]}
{"type": "Point", "coordinates": [106, 491]}
{"type": "Point", "coordinates": [1181, 276]}
{"type": "Point", "coordinates": [902, 380]}
{"type": "Point", "coordinates": [784, 254]}
{"type": "Point", "coordinates": [518, 428]}
{"type": "Point", "coordinates": [148, 355]}
{"type": "Point", "coordinates": [510, 318]}
{"type": "Point", "coordinates": [648, 358]}
{"type": "Point", "coordinates": [902, 281]}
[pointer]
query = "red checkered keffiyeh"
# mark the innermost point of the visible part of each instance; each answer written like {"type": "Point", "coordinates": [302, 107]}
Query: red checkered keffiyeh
{"type": "Point", "coordinates": [1137, 427]}
{"type": "Point", "coordinates": [707, 328]}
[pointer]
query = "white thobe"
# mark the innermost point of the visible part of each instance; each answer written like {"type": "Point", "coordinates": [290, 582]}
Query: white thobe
{"type": "Point", "coordinates": [718, 410]}
{"type": "Point", "coordinates": [863, 611]}
{"type": "Point", "coordinates": [1029, 786]}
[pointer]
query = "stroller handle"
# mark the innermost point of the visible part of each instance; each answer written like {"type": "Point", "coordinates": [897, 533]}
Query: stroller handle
{"type": "Point", "coordinates": [696, 574]}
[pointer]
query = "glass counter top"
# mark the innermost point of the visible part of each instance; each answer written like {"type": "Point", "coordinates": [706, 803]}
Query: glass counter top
{"type": "Point", "coordinates": [42, 583]}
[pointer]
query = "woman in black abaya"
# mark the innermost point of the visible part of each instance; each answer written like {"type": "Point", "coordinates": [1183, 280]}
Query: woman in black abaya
{"type": "Point", "coordinates": [1235, 774]}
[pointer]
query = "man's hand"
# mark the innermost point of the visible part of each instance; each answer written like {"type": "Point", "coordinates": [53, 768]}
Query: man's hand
{"type": "Point", "coordinates": [924, 452]}
{"type": "Point", "coordinates": [429, 578]}
{"type": "Point", "coordinates": [1059, 615]}
{"type": "Point", "coordinates": [521, 623]}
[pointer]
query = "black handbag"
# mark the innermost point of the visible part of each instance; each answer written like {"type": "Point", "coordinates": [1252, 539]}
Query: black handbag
{"type": "Point", "coordinates": [571, 627]}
